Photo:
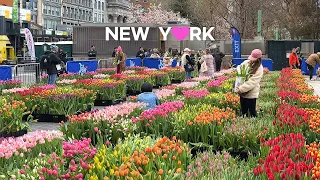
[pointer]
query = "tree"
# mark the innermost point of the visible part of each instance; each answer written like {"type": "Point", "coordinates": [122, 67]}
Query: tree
{"type": "Point", "coordinates": [155, 14]}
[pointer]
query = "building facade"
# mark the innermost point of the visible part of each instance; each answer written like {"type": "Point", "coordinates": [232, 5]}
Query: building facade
{"type": "Point", "coordinates": [99, 7]}
{"type": "Point", "coordinates": [118, 11]}
{"type": "Point", "coordinates": [143, 3]}
{"type": "Point", "coordinates": [75, 12]}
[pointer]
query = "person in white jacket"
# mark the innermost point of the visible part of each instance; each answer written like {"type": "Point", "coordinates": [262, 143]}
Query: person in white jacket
{"type": "Point", "coordinates": [249, 90]}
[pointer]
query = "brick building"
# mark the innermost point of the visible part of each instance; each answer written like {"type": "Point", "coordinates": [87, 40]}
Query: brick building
{"type": "Point", "coordinates": [143, 3]}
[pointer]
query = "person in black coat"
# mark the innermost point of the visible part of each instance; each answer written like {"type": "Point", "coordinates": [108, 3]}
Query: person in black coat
{"type": "Point", "coordinates": [114, 52]}
{"type": "Point", "coordinates": [218, 55]}
{"type": "Point", "coordinates": [92, 53]}
{"type": "Point", "coordinates": [52, 65]}
{"type": "Point", "coordinates": [140, 53]}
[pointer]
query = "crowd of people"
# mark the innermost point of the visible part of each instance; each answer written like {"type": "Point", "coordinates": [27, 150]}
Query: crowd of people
{"type": "Point", "coordinates": [295, 62]}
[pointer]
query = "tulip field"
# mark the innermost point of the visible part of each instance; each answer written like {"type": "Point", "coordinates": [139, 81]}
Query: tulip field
{"type": "Point", "coordinates": [197, 133]}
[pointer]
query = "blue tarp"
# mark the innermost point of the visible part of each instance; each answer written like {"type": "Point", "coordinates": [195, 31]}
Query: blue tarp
{"type": "Point", "coordinates": [133, 62]}
{"type": "Point", "coordinates": [304, 68]}
{"type": "Point", "coordinates": [5, 73]}
{"type": "Point", "coordinates": [77, 66]}
{"type": "Point", "coordinates": [268, 63]}
{"type": "Point", "coordinates": [155, 63]}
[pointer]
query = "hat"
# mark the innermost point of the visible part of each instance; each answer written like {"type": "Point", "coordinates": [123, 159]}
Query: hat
{"type": "Point", "coordinates": [53, 47]}
{"type": "Point", "coordinates": [255, 54]}
{"type": "Point", "coordinates": [187, 50]}
{"type": "Point", "coordinates": [119, 48]}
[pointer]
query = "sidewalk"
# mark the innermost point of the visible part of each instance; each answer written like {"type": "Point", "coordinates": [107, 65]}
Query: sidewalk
{"type": "Point", "coordinates": [315, 85]}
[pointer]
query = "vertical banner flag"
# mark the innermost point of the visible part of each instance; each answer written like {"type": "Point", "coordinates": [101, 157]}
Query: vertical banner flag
{"type": "Point", "coordinates": [30, 43]}
{"type": "Point", "coordinates": [15, 11]}
{"type": "Point", "coordinates": [236, 43]}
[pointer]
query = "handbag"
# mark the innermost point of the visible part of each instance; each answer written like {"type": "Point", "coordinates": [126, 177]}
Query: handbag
{"type": "Point", "coordinates": [189, 67]}
{"type": "Point", "coordinates": [58, 66]}
{"type": "Point", "coordinates": [204, 67]}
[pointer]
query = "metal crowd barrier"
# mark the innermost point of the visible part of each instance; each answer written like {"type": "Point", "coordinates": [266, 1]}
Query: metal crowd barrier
{"type": "Point", "coordinates": [105, 63]}
{"type": "Point", "coordinates": [27, 73]}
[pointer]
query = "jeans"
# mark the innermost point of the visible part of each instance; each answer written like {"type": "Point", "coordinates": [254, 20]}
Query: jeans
{"type": "Point", "coordinates": [52, 79]}
{"type": "Point", "coordinates": [248, 105]}
{"type": "Point", "coordinates": [188, 74]}
{"type": "Point", "coordinates": [310, 68]}
{"type": "Point", "coordinates": [218, 66]}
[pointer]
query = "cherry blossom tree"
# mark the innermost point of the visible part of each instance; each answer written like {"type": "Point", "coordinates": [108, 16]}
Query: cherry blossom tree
{"type": "Point", "coordinates": [155, 14]}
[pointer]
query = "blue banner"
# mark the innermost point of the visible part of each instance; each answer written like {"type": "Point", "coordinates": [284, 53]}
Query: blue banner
{"type": "Point", "coordinates": [154, 63]}
{"type": "Point", "coordinates": [82, 67]}
{"type": "Point", "coordinates": [5, 73]}
{"type": "Point", "coordinates": [267, 63]}
{"type": "Point", "coordinates": [130, 62]}
{"type": "Point", "coordinates": [236, 43]}
{"type": "Point", "coordinates": [304, 68]}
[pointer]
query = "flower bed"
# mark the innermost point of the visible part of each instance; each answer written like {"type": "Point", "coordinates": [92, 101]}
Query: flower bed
{"type": "Point", "coordinates": [176, 74]}
{"type": "Point", "coordinates": [106, 90]}
{"type": "Point", "coordinates": [11, 114]}
{"type": "Point", "coordinates": [53, 101]}
{"type": "Point", "coordinates": [112, 123]}
{"type": "Point", "coordinates": [9, 84]}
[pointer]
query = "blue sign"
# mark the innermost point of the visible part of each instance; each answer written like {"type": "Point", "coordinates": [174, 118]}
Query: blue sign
{"type": "Point", "coordinates": [133, 62]}
{"type": "Point", "coordinates": [82, 66]}
{"type": "Point", "coordinates": [236, 43]}
{"type": "Point", "coordinates": [5, 73]}
{"type": "Point", "coordinates": [267, 63]}
{"type": "Point", "coordinates": [153, 63]}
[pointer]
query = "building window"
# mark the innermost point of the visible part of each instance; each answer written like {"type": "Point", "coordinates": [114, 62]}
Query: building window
{"type": "Point", "coordinates": [44, 9]}
{"type": "Point", "coordinates": [95, 4]}
{"type": "Point", "coordinates": [102, 19]}
{"type": "Point", "coordinates": [137, 0]}
{"type": "Point", "coordinates": [58, 11]}
{"type": "Point", "coordinates": [102, 6]}
{"type": "Point", "coordinates": [99, 5]}
{"type": "Point", "coordinates": [99, 18]}
{"type": "Point", "coordinates": [53, 10]}
{"type": "Point", "coordinates": [35, 5]}
{"type": "Point", "coordinates": [145, 1]}
{"type": "Point", "coordinates": [49, 10]}
{"type": "Point", "coordinates": [95, 17]}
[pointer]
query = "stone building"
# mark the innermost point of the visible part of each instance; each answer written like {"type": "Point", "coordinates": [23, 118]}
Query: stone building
{"type": "Point", "coordinates": [99, 7]}
{"type": "Point", "coordinates": [75, 12]}
{"type": "Point", "coordinates": [117, 11]}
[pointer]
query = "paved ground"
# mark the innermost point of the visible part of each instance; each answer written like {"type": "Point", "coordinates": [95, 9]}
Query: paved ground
{"type": "Point", "coordinates": [50, 126]}
{"type": "Point", "coordinates": [314, 84]}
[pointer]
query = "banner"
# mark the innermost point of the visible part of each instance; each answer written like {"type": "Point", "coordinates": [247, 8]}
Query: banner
{"type": "Point", "coordinates": [5, 73]}
{"type": "Point", "coordinates": [15, 15]}
{"type": "Point", "coordinates": [30, 43]}
{"type": "Point", "coordinates": [82, 66]}
{"type": "Point", "coordinates": [131, 62]}
{"type": "Point", "coordinates": [236, 43]}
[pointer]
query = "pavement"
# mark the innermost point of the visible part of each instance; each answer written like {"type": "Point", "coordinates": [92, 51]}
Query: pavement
{"type": "Point", "coordinates": [314, 84]}
{"type": "Point", "coordinates": [51, 126]}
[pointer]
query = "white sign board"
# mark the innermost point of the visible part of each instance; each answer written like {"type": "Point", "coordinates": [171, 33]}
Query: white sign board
{"type": "Point", "coordinates": [6, 11]}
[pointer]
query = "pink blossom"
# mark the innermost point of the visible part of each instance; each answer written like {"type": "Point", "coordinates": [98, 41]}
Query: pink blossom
{"type": "Point", "coordinates": [214, 83]}
{"type": "Point", "coordinates": [164, 93]}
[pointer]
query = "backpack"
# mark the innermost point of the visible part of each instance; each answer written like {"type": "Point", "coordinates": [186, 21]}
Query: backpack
{"type": "Point", "coordinates": [44, 62]}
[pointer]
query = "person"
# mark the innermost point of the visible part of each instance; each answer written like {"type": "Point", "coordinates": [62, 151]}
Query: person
{"type": "Point", "coordinates": [187, 63]}
{"type": "Point", "coordinates": [148, 97]}
{"type": "Point", "coordinates": [63, 56]}
{"type": "Point", "coordinates": [218, 56]}
{"type": "Point", "coordinates": [148, 53]}
{"type": "Point", "coordinates": [249, 90]}
{"type": "Point", "coordinates": [92, 53]}
{"type": "Point", "coordinates": [293, 59]}
{"type": "Point", "coordinates": [299, 55]}
{"type": "Point", "coordinates": [168, 58]}
{"type": "Point", "coordinates": [199, 54]}
{"type": "Point", "coordinates": [311, 62]}
{"type": "Point", "coordinates": [51, 62]}
{"type": "Point", "coordinates": [44, 62]}
{"type": "Point", "coordinates": [208, 61]}
{"type": "Point", "coordinates": [155, 54]}
{"type": "Point", "coordinates": [114, 52]}
{"type": "Point", "coordinates": [120, 60]}
{"type": "Point", "coordinates": [140, 53]}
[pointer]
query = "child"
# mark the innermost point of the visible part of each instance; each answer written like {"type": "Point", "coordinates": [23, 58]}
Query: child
{"type": "Point", "coordinates": [148, 97]}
